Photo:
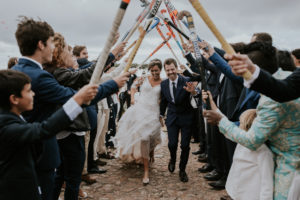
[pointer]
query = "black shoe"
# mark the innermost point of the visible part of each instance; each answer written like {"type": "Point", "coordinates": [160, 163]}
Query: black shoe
{"type": "Point", "coordinates": [96, 170]}
{"type": "Point", "coordinates": [213, 176]}
{"type": "Point", "coordinates": [100, 162]}
{"type": "Point", "coordinates": [195, 141]}
{"type": "Point", "coordinates": [183, 176]}
{"type": "Point", "coordinates": [171, 166]}
{"type": "Point", "coordinates": [219, 185]}
{"type": "Point", "coordinates": [203, 158]}
{"type": "Point", "coordinates": [106, 156]}
{"type": "Point", "coordinates": [198, 152]}
{"type": "Point", "coordinates": [206, 168]}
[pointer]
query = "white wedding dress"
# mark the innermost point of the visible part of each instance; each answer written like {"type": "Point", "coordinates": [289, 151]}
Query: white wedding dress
{"type": "Point", "coordinates": [139, 130]}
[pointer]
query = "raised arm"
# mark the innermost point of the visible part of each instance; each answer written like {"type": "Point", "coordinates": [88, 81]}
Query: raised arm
{"type": "Point", "coordinates": [279, 90]}
{"type": "Point", "coordinates": [269, 117]}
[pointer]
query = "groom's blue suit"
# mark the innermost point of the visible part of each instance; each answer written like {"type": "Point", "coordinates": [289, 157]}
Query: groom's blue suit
{"type": "Point", "coordinates": [179, 118]}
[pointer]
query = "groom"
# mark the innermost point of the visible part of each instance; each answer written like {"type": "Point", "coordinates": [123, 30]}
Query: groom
{"type": "Point", "coordinates": [175, 95]}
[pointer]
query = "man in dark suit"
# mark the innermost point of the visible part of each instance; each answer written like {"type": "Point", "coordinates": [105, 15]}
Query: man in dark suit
{"type": "Point", "coordinates": [175, 95]}
{"type": "Point", "coordinates": [263, 82]}
{"type": "Point", "coordinates": [35, 40]}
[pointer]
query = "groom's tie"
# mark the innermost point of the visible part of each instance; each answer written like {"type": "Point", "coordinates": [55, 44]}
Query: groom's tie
{"type": "Point", "coordinates": [174, 90]}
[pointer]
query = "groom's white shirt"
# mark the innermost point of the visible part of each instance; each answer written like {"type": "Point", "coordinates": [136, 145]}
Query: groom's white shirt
{"type": "Point", "coordinates": [171, 88]}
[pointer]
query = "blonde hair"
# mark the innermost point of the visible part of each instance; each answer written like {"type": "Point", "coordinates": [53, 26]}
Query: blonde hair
{"type": "Point", "coordinates": [247, 118]}
{"type": "Point", "coordinates": [60, 44]}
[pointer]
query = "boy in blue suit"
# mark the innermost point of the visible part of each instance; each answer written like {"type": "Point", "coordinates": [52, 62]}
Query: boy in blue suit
{"type": "Point", "coordinates": [18, 155]}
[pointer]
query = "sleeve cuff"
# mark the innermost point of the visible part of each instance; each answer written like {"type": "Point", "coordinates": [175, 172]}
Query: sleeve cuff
{"type": "Point", "coordinates": [186, 53]}
{"type": "Point", "coordinates": [72, 109]}
{"type": "Point", "coordinates": [248, 83]}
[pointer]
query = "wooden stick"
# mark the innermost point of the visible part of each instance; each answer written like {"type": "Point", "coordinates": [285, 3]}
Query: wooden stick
{"type": "Point", "coordinates": [143, 33]}
{"type": "Point", "coordinates": [109, 43]}
{"type": "Point", "coordinates": [135, 49]}
{"type": "Point", "coordinates": [139, 20]}
{"type": "Point", "coordinates": [194, 40]}
{"type": "Point", "coordinates": [225, 45]}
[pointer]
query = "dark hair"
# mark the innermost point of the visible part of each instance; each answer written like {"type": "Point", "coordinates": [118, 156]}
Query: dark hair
{"type": "Point", "coordinates": [262, 54]}
{"type": "Point", "coordinates": [296, 53]}
{"type": "Point", "coordinates": [11, 62]}
{"type": "Point", "coordinates": [285, 60]}
{"type": "Point", "coordinates": [169, 61]}
{"type": "Point", "coordinates": [77, 49]}
{"type": "Point", "coordinates": [11, 83]}
{"type": "Point", "coordinates": [155, 62]}
{"type": "Point", "coordinates": [30, 32]}
{"type": "Point", "coordinates": [263, 37]}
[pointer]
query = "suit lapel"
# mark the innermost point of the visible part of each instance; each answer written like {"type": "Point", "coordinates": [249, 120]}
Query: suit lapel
{"type": "Point", "coordinates": [179, 87]}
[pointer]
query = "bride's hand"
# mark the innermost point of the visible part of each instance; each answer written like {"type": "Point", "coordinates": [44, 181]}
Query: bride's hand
{"type": "Point", "coordinates": [161, 120]}
{"type": "Point", "coordinates": [132, 102]}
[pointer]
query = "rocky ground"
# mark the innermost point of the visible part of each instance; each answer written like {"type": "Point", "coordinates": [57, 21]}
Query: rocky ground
{"type": "Point", "coordinates": [124, 182]}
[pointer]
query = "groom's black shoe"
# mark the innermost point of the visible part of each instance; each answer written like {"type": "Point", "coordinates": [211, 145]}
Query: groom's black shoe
{"type": "Point", "coordinates": [171, 166]}
{"type": "Point", "coordinates": [183, 176]}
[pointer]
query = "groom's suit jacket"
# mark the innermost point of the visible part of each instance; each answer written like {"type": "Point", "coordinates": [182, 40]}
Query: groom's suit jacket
{"type": "Point", "coordinates": [181, 109]}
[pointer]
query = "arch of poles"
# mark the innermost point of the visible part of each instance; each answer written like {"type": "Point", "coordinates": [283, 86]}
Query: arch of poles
{"type": "Point", "coordinates": [155, 19]}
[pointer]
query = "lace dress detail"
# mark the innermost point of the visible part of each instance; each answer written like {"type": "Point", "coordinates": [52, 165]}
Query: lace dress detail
{"type": "Point", "coordinates": [139, 130]}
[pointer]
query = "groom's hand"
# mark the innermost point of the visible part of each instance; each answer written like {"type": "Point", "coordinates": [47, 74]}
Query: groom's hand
{"type": "Point", "coordinates": [191, 87]}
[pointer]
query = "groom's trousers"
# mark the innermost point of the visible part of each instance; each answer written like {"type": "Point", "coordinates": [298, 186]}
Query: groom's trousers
{"type": "Point", "coordinates": [173, 134]}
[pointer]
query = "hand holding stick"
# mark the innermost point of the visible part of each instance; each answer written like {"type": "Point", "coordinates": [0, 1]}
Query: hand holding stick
{"type": "Point", "coordinates": [109, 43]}
{"type": "Point", "coordinates": [225, 45]}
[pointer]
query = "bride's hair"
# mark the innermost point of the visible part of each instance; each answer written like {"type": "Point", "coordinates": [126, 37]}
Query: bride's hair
{"type": "Point", "coordinates": [155, 62]}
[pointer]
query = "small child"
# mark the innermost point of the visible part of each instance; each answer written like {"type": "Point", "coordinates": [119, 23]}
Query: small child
{"type": "Point", "coordinates": [251, 173]}
{"type": "Point", "coordinates": [18, 153]}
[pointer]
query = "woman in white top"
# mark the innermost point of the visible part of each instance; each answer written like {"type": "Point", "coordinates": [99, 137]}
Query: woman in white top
{"type": "Point", "coordinates": [251, 173]}
{"type": "Point", "coordinates": [139, 128]}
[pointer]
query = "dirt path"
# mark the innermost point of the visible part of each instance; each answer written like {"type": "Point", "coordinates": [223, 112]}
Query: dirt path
{"type": "Point", "coordinates": [124, 182]}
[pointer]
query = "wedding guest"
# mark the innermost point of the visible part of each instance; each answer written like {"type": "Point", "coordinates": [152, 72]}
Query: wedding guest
{"type": "Point", "coordinates": [12, 62]}
{"type": "Point", "coordinates": [277, 123]}
{"type": "Point", "coordinates": [35, 41]}
{"type": "Point", "coordinates": [296, 57]}
{"type": "Point", "coordinates": [18, 154]}
{"type": "Point", "coordinates": [279, 90]}
{"type": "Point", "coordinates": [251, 173]}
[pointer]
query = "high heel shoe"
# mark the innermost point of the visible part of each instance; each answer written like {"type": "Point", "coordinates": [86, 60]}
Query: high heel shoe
{"type": "Point", "coordinates": [146, 181]}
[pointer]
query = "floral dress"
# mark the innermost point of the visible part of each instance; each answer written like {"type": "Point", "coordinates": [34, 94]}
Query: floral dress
{"type": "Point", "coordinates": [278, 124]}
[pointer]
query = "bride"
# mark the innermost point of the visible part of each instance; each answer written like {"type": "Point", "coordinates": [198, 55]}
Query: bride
{"type": "Point", "coordinates": [139, 128]}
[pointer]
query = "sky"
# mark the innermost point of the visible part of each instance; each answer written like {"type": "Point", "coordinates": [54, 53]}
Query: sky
{"type": "Point", "coordinates": [88, 22]}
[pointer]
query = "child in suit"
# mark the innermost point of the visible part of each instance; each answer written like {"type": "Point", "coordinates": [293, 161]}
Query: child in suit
{"type": "Point", "coordinates": [19, 140]}
{"type": "Point", "coordinates": [251, 173]}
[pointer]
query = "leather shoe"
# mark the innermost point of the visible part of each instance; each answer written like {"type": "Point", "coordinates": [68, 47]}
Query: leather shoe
{"type": "Point", "coordinates": [219, 185]}
{"type": "Point", "coordinates": [206, 168]}
{"type": "Point", "coordinates": [198, 152]}
{"type": "Point", "coordinates": [96, 170]}
{"type": "Point", "coordinates": [195, 141]}
{"type": "Point", "coordinates": [88, 179]}
{"type": "Point", "coordinates": [213, 176]}
{"type": "Point", "coordinates": [183, 176]}
{"type": "Point", "coordinates": [171, 166]}
{"type": "Point", "coordinates": [106, 156]}
{"type": "Point", "coordinates": [202, 158]}
{"type": "Point", "coordinates": [100, 162]}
